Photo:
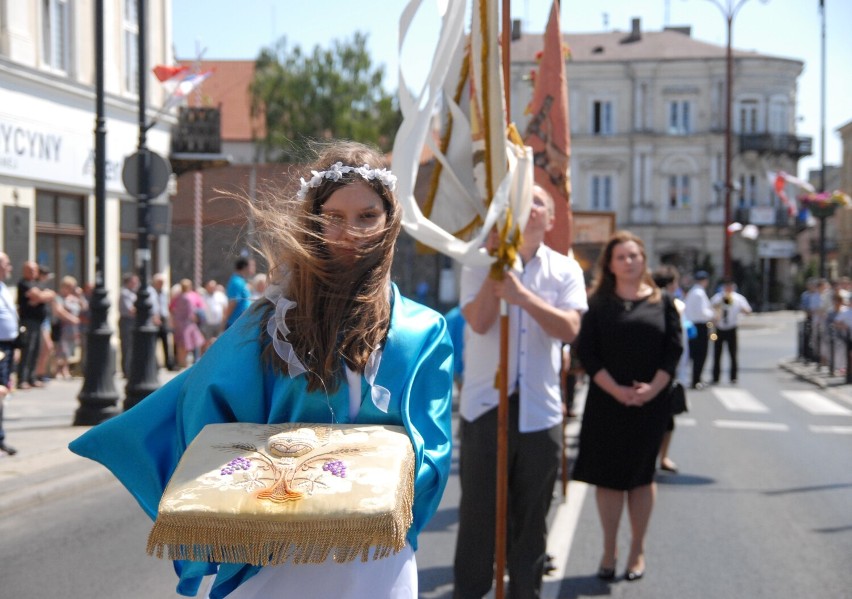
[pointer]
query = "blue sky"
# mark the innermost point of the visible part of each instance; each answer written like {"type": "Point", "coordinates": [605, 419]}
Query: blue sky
{"type": "Point", "coordinates": [227, 29]}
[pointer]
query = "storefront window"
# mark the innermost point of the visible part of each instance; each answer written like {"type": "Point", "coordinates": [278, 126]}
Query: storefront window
{"type": "Point", "coordinates": [128, 219]}
{"type": "Point", "coordinates": [61, 235]}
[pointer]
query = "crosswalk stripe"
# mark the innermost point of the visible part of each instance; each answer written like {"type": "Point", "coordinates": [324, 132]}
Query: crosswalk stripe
{"type": "Point", "coordinates": [755, 426]}
{"type": "Point", "coordinates": [816, 404]}
{"type": "Point", "coordinates": [837, 430]}
{"type": "Point", "coordinates": [737, 400]}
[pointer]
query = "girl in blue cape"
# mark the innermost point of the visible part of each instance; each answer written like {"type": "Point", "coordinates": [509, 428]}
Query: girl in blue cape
{"type": "Point", "coordinates": [332, 342]}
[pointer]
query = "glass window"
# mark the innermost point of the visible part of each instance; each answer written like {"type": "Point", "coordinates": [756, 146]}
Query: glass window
{"type": "Point", "coordinates": [679, 114]}
{"type": "Point", "coordinates": [130, 26]}
{"type": "Point", "coordinates": [601, 192]}
{"type": "Point", "coordinates": [129, 239]}
{"type": "Point", "coordinates": [61, 234]}
{"type": "Point", "coordinates": [778, 117]}
{"type": "Point", "coordinates": [602, 118]}
{"type": "Point", "coordinates": [679, 191]}
{"type": "Point", "coordinates": [128, 217]}
{"type": "Point", "coordinates": [55, 33]}
{"type": "Point", "coordinates": [749, 117]}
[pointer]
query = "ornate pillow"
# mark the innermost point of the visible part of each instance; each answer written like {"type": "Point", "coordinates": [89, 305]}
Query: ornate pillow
{"type": "Point", "coordinates": [271, 493]}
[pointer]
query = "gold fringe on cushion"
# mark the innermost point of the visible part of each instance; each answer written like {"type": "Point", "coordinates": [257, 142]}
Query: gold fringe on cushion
{"type": "Point", "coordinates": [225, 539]}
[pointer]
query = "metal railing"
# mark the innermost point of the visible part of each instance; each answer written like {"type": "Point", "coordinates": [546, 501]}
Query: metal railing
{"type": "Point", "coordinates": [827, 346]}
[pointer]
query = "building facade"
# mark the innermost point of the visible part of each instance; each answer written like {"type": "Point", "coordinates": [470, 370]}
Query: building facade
{"type": "Point", "coordinates": [648, 120]}
{"type": "Point", "coordinates": [47, 123]}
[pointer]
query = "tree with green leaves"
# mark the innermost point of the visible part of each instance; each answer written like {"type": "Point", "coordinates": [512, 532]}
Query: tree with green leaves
{"type": "Point", "coordinates": [331, 93]}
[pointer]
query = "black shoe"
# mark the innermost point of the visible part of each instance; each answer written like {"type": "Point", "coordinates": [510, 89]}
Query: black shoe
{"type": "Point", "coordinates": [668, 466]}
{"type": "Point", "coordinates": [7, 449]}
{"type": "Point", "coordinates": [549, 566]}
{"type": "Point", "coordinates": [606, 573]}
{"type": "Point", "coordinates": [633, 575]}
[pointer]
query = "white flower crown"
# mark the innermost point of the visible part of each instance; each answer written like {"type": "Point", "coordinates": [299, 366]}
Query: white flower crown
{"type": "Point", "coordinates": [338, 169]}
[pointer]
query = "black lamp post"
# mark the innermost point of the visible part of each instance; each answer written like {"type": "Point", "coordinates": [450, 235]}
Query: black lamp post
{"type": "Point", "coordinates": [729, 11]}
{"type": "Point", "coordinates": [98, 397]}
{"type": "Point", "coordinates": [142, 378]}
{"type": "Point", "coordinates": [822, 144]}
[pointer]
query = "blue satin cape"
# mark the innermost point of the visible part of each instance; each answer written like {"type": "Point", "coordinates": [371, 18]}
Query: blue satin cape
{"type": "Point", "coordinates": [232, 383]}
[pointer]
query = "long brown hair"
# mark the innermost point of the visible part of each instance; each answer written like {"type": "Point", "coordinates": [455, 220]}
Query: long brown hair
{"type": "Point", "coordinates": [342, 310]}
{"type": "Point", "coordinates": [605, 281]}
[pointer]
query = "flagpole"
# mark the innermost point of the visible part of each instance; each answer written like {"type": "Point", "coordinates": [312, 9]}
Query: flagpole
{"type": "Point", "coordinates": [502, 490]}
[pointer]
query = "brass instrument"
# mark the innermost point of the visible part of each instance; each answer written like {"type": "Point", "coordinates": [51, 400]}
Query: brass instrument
{"type": "Point", "coordinates": [720, 310]}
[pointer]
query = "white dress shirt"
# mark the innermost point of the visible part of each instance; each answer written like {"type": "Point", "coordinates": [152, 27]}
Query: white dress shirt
{"type": "Point", "coordinates": [534, 356]}
{"type": "Point", "coordinates": [730, 313]}
{"type": "Point", "coordinates": [697, 306]}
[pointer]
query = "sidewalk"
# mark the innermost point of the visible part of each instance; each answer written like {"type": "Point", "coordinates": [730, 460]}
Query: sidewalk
{"type": "Point", "coordinates": [817, 375]}
{"type": "Point", "coordinates": [38, 423]}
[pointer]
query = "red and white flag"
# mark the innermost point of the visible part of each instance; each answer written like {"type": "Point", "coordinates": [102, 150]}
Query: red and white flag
{"type": "Point", "coordinates": [165, 72]}
{"type": "Point", "coordinates": [179, 82]}
{"type": "Point", "coordinates": [779, 181]}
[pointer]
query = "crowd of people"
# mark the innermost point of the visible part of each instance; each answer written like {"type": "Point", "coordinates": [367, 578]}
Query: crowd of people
{"type": "Point", "coordinates": [43, 326]}
{"type": "Point", "coordinates": [827, 327]}
{"type": "Point", "coordinates": [188, 319]}
{"type": "Point", "coordinates": [326, 337]}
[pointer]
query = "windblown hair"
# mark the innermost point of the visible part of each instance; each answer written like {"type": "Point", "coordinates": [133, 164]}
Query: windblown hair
{"type": "Point", "coordinates": [604, 286]}
{"type": "Point", "coordinates": [343, 308]}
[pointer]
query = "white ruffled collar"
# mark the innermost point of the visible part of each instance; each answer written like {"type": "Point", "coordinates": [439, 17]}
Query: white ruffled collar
{"type": "Point", "coordinates": [277, 329]}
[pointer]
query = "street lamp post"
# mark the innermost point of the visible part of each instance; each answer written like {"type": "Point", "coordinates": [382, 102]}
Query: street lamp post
{"type": "Point", "coordinates": [729, 11]}
{"type": "Point", "coordinates": [142, 378]}
{"type": "Point", "coordinates": [98, 397]}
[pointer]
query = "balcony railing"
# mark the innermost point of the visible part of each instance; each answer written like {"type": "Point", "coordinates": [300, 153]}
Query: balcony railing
{"type": "Point", "coordinates": [762, 216]}
{"type": "Point", "coordinates": [769, 143]}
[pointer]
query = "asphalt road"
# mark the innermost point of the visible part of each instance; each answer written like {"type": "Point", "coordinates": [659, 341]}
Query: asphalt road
{"type": "Point", "coordinates": [762, 507]}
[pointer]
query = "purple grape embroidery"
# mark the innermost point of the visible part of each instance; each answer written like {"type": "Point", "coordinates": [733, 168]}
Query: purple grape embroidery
{"type": "Point", "coordinates": [336, 468]}
{"type": "Point", "coordinates": [234, 465]}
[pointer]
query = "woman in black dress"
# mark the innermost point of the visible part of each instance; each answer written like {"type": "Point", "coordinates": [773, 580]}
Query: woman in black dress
{"type": "Point", "coordinates": [629, 345]}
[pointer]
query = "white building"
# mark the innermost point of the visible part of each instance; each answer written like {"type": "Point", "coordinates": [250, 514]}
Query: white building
{"type": "Point", "coordinates": [648, 130]}
{"type": "Point", "coordinates": [47, 123]}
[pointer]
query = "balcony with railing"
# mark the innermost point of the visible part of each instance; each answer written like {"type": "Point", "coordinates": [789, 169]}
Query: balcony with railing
{"type": "Point", "coordinates": [773, 143]}
{"type": "Point", "coordinates": [771, 216]}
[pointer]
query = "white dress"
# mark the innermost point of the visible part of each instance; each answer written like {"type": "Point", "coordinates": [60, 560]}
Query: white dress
{"type": "Point", "coordinates": [393, 577]}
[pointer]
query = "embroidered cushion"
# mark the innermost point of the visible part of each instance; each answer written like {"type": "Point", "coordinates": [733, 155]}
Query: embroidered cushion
{"type": "Point", "coordinates": [268, 494]}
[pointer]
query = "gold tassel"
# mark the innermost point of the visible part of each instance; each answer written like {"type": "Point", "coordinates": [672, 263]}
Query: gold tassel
{"type": "Point", "coordinates": [260, 543]}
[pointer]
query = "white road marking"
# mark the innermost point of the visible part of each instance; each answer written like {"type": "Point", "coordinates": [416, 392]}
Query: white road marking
{"type": "Point", "coordinates": [747, 425]}
{"type": "Point", "coordinates": [738, 400]}
{"type": "Point", "coordinates": [814, 403]}
{"type": "Point", "coordinates": [561, 535]}
{"type": "Point", "coordinates": [836, 430]}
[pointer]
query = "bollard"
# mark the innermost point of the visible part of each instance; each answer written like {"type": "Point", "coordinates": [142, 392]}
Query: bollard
{"type": "Point", "coordinates": [848, 337]}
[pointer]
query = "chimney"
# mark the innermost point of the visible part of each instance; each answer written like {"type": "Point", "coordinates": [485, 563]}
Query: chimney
{"type": "Point", "coordinates": [635, 32]}
{"type": "Point", "coordinates": [636, 29]}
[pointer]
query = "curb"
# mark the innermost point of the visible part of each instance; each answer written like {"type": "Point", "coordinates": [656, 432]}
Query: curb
{"type": "Point", "coordinates": [55, 487]}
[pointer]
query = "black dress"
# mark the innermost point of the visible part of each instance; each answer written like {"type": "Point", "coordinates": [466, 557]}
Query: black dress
{"type": "Point", "coordinates": [631, 340]}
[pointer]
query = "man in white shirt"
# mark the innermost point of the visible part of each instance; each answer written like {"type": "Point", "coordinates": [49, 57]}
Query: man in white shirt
{"type": "Point", "coordinates": [730, 305]}
{"type": "Point", "coordinates": [698, 310]}
{"type": "Point", "coordinates": [545, 302]}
